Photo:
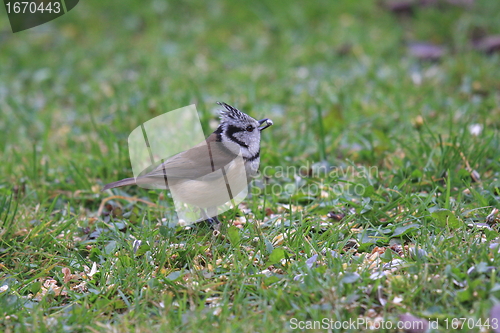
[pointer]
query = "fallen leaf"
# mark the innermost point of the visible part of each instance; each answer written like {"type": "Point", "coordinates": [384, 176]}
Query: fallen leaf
{"type": "Point", "coordinates": [492, 217]}
{"type": "Point", "coordinates": [426, 51]}
{"type": "Point", "coordinates": [311, 261]}
{"type": "Point", "coordinates": [401, 7]}
{"type": "Point", "coordinates": [67, 274]}
{"type": "Point", "coordinates": [335, 216]}
{"type": "Point", "coordinates": [488, 44]}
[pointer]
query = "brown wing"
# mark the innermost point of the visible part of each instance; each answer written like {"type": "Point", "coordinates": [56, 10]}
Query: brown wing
{"type": "Point", "coordinates": [197, 162]}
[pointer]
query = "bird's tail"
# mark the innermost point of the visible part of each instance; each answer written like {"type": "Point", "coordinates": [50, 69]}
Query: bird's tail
{"type": "Point", "coordinates": [123, 182]}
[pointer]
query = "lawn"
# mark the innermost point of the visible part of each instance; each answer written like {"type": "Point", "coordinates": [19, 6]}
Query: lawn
{"type": "Point", "coordinates": [378, 185]}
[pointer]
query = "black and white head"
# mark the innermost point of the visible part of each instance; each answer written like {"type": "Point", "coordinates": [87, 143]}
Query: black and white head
{"type": "Point", "coordinates": [241, 129]}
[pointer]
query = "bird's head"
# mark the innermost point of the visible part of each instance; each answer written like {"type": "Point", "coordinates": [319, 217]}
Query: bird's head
{"type": "Point", "coordinates": [239, 128]}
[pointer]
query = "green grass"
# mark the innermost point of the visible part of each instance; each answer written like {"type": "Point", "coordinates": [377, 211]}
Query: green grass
{"type": "Point", "coordinates": [336, 79]}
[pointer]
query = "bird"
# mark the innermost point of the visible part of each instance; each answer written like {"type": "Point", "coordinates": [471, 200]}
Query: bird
{"type": "Point", "coordinates": [213, 172]}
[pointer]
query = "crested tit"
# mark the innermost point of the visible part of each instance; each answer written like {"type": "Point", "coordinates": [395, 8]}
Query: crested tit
{"type": "Point", "coordinates": [213, 172]}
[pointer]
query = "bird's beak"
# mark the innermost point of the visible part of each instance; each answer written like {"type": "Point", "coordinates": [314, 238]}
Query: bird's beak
{"type": "Point", "coordinates": [267, 122]}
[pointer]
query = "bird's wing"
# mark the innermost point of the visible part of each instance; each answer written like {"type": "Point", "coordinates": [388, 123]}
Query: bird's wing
{"type": "Point", "coordinates": [195, 163]}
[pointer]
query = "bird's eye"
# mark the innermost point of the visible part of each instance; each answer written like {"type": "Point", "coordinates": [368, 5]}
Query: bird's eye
{"type": "Point", "coordinates": [249, 128]}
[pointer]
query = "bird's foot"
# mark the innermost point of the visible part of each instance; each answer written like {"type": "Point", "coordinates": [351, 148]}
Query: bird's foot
{"type": "Point", "coordinates": [213, 223]}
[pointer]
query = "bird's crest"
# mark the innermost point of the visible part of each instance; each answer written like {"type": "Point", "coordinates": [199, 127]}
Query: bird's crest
{"type": "Point", "coordinates": [231, 112]}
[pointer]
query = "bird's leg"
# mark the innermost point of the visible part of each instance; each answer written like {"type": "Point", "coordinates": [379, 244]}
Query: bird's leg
{"type": "Point", "coordinates": [213, 222]}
